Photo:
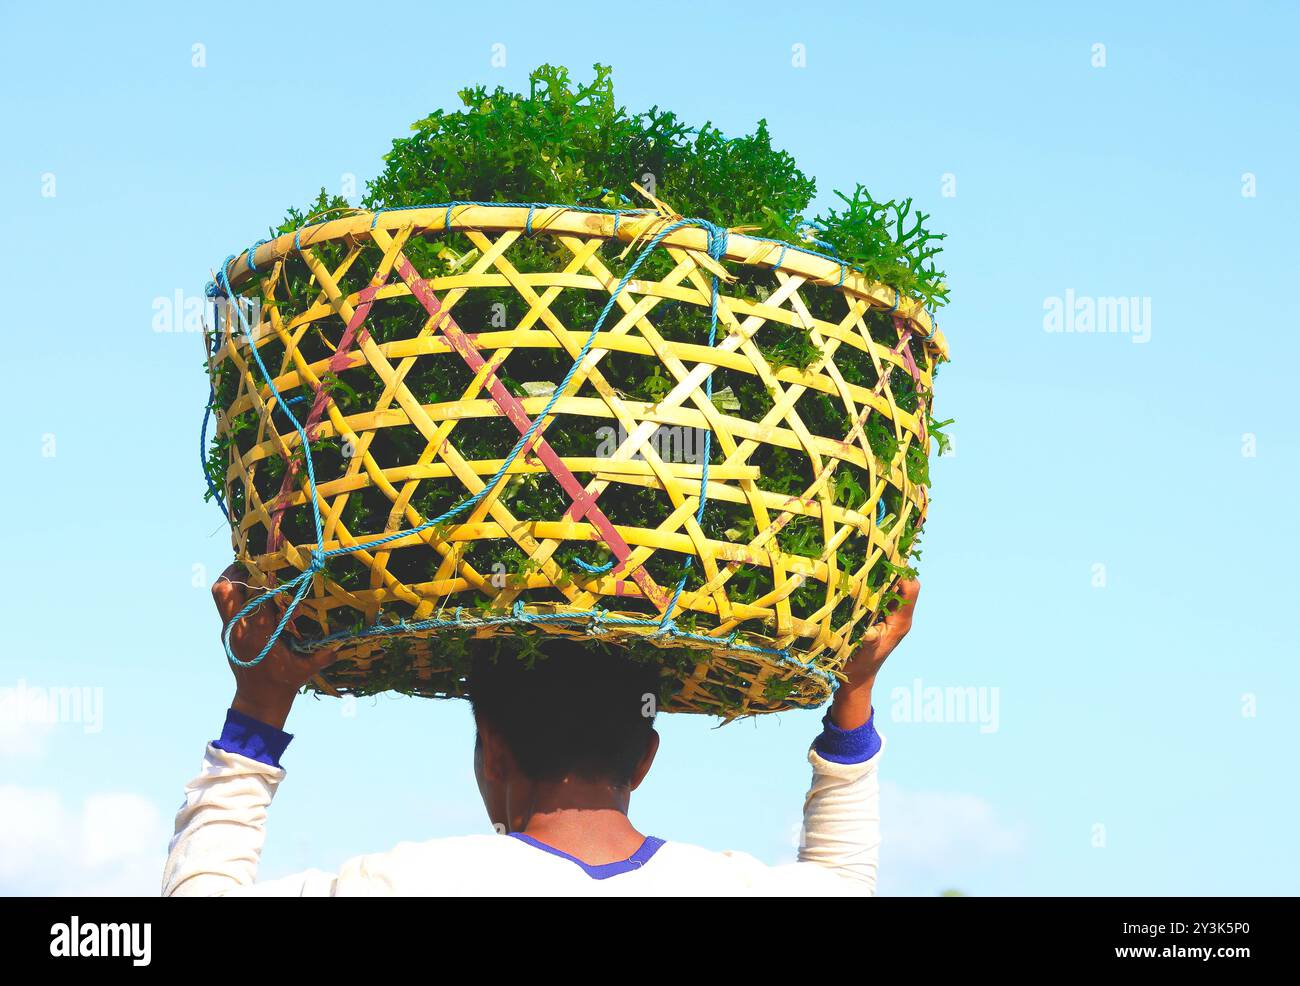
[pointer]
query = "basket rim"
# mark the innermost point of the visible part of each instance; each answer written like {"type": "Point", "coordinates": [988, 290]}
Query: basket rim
{"type": "Point", "coordinates": [626, 225]}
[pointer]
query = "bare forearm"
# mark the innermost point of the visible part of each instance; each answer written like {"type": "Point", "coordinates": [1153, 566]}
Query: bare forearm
{"type": "Point", "coordinates": [273, 709]}
{"type": "Point", "coordinates": [851, 707]}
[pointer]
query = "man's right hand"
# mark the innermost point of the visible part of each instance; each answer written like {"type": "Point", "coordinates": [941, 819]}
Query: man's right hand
{"type": "Point", "coordinates": [265, 691]}
{"type": "Point", "coordinates": [852, 705]}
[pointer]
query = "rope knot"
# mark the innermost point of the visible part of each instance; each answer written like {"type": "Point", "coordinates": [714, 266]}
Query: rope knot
{"type": "Point", "coordinates": [317, 561]}
{"type": "Point", "coordinates": [250, 259]}
{"type": "Point", "coordinates": [717, 241]}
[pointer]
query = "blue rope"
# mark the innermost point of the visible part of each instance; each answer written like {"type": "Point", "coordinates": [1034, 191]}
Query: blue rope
{"type": "Point", "coordinates": [596, 619]}
{"type": "Point", "coordinates": [251, 251]}
{"type": "Point", "coordinates": [827, 253]}
{"type": "Point", "coordinates": [300, 584]}
{"type": "Point", "coordinates": [717, 249]}
{"type": "Point", "coordinates": [594, 569]}
{"type": "Point", "coordinates": [802, 230]}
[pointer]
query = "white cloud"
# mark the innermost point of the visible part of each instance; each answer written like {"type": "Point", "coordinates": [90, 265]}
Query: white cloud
{"type": "Point", "coordinates": [20, 738]}
{"type": "Point", "coordinates": [110, 845]}
{"type": "Point", "coordinates": [934, 840]}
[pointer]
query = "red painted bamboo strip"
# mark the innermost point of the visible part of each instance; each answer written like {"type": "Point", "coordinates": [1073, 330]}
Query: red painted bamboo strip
{"type": "Point", "coordinates": [354, 332]}
{"type": "Point", "coordinates": [514, 411]}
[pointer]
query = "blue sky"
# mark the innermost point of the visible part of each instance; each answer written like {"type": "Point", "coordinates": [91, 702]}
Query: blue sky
{"type": "Point", "coordinates": [1110, 550]}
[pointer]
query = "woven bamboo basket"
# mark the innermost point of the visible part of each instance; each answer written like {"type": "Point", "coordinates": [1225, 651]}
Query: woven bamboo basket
{"type": "Point", "coordinates": [386, 300]}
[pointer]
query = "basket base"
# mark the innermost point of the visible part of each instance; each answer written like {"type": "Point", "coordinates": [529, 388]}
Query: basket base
{"type": "Point", "coordinates": [434, 663]}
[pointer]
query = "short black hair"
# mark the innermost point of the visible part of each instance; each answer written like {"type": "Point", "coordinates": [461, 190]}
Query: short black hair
{"type": "Point", "coordinates": [568, 711]}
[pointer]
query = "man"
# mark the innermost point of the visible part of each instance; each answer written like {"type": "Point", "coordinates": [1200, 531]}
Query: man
{"type": "Point", "coordinates": [560, 749]}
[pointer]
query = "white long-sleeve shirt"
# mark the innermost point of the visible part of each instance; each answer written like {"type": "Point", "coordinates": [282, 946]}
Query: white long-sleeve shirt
{"type": "Point", "coordinates": [221, 827]}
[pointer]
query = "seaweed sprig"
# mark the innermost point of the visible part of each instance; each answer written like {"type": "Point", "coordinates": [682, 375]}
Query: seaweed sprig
{"type": "Point", "coordinates": [877, 237]}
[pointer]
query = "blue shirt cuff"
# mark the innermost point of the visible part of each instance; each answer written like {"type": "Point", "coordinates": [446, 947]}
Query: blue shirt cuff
{"type": "Point", "coordinates": [252, 738]}
{"type": "Point", "coordinates": [848, 745]}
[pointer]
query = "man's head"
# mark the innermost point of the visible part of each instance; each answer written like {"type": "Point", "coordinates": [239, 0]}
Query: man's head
{"type": "Point", "coordinates": [576, 726]}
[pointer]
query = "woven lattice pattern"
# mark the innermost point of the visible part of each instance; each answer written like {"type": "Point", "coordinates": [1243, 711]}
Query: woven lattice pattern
{"type": "Point", "coordinates": [416, 347]}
